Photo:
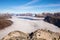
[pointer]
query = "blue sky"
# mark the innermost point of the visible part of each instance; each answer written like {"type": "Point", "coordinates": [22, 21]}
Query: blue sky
{"type": "Point", "coordinates": [29, 6]}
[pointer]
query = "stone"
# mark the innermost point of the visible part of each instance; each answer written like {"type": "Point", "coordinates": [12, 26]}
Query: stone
{"type": "Point", "coordinates": [16, 35]}
{"type": "Point", "coordinates": [45, 35]}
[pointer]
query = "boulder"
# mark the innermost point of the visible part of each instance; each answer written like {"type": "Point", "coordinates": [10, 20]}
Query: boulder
{"type": "Point", "coordinates": [45, 35]}
{"type": "Point", "coordinates": [16, 35]}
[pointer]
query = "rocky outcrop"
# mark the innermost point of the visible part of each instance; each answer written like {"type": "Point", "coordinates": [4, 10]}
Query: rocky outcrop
{"type": "Point", "coordinates": [16, 35]}
{"type": "Point", "coordinates": [45, 35]}
{"type": "Point", "coordinates": [53, 19]}
{"type": "Point", "coordinates": [37, 35]}
{"type": "Point", "coordinates": [5, 23]}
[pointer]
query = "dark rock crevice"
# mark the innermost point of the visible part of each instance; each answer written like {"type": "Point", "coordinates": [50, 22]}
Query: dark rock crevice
{"type": "Point", "coordinates": [53, 20]}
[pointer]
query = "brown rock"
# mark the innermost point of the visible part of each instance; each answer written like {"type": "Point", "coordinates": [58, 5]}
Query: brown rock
{"type": "Point", "coordinates": [5, 23]}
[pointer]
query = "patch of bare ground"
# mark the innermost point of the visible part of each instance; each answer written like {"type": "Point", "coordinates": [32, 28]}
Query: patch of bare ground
{"type": "Point", "coordinates": [5, 23]}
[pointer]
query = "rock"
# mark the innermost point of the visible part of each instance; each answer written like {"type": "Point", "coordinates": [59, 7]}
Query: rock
{"type": "Point", "coordinates": [45, 35]}
{"type": "Point", "coordinates": [39, 34]}
{"type": "Point", "coordinates": [16, 35]}
{"type": "Point", "coordinates": [5, 23]}
{"type": "Point", "coordinates": [53, 20]}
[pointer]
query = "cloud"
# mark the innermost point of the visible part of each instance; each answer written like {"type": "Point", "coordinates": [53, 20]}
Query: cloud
{"type": "Point", "coordinates": [26, 6]}
{"type": "Point", "coordinates": [35, 8]}
{"type": "Point", "coordinates": [31, 2]}
{"type": "Point", "coordinates": [39, 6]}
{"type": "Point", "coordinates": [50, 5]}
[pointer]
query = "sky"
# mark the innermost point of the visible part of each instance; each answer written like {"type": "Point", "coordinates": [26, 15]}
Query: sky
{"type": "Point", "coordinates": [29, 6]}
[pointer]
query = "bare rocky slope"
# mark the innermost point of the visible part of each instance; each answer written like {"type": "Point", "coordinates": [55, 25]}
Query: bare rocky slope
{"type": "Point", "coordinates": [53, 20]}
{"type": "Point", "coordinates": [45, 35]}
{"type": "Point", "coordinates": [5, 23]}
{"type": "Point", "coordinates": [39, 34]}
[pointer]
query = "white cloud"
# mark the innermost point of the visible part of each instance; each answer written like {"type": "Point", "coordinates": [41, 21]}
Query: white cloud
{"type": "Point", "coordinates": [29, 8]}
{"type": "Point", "coordinates": [31, 2]}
